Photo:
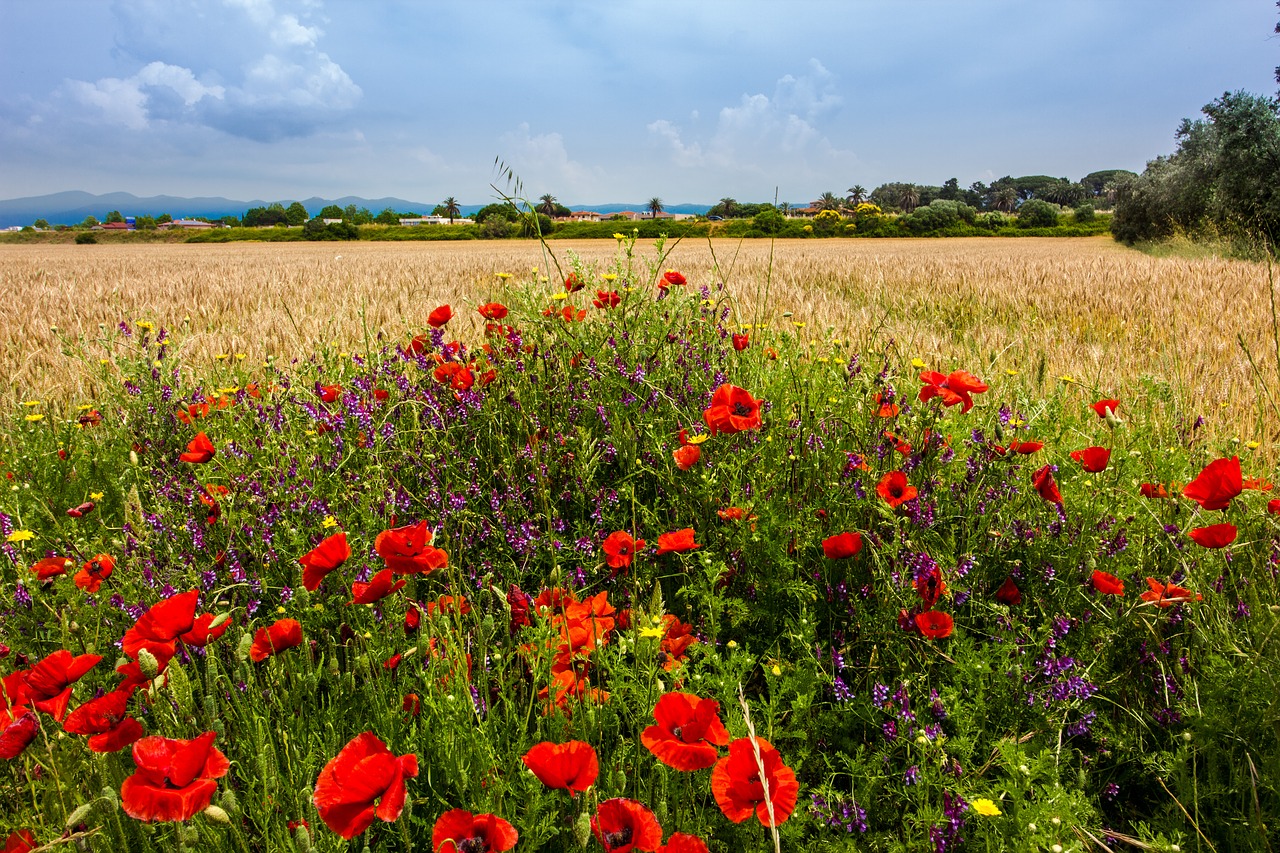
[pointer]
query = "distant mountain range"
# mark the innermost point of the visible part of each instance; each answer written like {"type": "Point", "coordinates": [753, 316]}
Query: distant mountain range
{"type": "Point", "coordinates": [71, 208]}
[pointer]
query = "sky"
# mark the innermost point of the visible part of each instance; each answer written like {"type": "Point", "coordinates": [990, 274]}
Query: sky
{"type": "Point", "coordinates": [599, 102]}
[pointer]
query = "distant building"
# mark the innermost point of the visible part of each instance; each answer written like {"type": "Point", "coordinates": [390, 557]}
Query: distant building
{"type": "Point", "coordinates": [186, 224]}
{"type": "Point", "coordinates": [434, 220]}
{"type": "Point", "coordinates": [584, 216]}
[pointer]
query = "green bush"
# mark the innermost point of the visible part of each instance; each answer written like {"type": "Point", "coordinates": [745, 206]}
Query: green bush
{"type": "Point", "coordinates": [85, 239]}
{"type": "Point", "coordinates": [1037, 214]}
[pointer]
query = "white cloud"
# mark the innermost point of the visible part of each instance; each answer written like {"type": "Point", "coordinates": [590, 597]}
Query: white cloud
{"type": "Point", "coordinates": [543, 161]}
{"type": "Point", "coordinates": [272, 81]}
{"type": "Point", "coordinates": [760, 131]}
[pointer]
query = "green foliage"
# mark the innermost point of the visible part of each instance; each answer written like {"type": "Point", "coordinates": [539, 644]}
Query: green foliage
{"type": "Point", "coordinates": [296, 214]}
{"type": "Point", "coordinates": [85, 239]}
{"type": "Point", "coordinates": [114, 217]}
{"type": "Point", "coordinates": [316, 229]}
{"type": "Point", "coordinates": [769, 222]}
{"type": "Point", "coordinates": [42, 224]}
{"type": "Point", "coordinates": [502, 210]}
{"type": "Point", "coordinates": [1083, 214]}
{"type": "Point", "coordinates": [330, 211]}
{"type": "Point", "coordinates": [1037, 214]}
{"type": "Point", "coordinates": [1220, 181]}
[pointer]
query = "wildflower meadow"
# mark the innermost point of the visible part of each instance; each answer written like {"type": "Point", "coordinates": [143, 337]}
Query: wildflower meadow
{"type": "Point", "coordinates": [607, 559]}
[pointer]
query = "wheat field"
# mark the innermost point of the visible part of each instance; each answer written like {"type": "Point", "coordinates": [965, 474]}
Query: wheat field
{"type": "Point", "coordinates": [1113, 319]}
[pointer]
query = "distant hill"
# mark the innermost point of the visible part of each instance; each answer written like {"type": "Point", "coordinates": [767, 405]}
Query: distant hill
{"type": "Point", "coordinates": [70, 208]}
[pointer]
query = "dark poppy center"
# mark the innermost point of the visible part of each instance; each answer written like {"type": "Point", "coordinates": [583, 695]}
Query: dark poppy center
{"type": "Point", "coordinates": [474, 844]}
{"type": "Point", "coordinates": [742, 410]}
{"type": "Point", "coordinates": [619, 838]}
{"type": "Point", "coordinates": [678, 731]}
{"type": "Point", "coordinates": [896, 490]}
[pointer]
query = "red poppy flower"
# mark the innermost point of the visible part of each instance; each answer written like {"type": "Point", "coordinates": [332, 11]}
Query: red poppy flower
{"type": "Point", "coordinates": [1107, 584]}
{"type": "Point", "coordinates": [1092, 459]}
{"type": "Point", "coordinates": [363, 781]}
{"type": "Point", "coordinates": [1008, 593]}
{"type": "Point", "coordinates": [459, 831]}
{"type": "Point", "coordinates": [458, 376]}
{"type": "Point", "coordinates": [81, 510]}
{"type": "Point", "coordinates": [620, 549]}
{"type": "Point", "coordinates": [283, 634]}
{"type": "Point", "coordinates": [1217, 484]}
{"type": "Point", "coordinates": [417, 346]}
{"type": "Point", "coordinates": [679, 540]}
{"type": "Point", "coordinates": [733, 513]}
{"type": "Point", "coordinates": [1273, 506]}
{"type": "Point", "coordinates": [49, 682]}
{"type": "Point", "coordinates": [732, 410]}
{"type": "Point", "coordinates": [1254, 484]}
{"type": "Point", "coordinates": [1102, 406]}
{"type": "Point", "coordinates": [623, 825]}
{"type": "Point", "coordinates": [741, 342]}
{"type": "Point", "coordinates": [934, 624]}
{"type": "Point", "coordinates": [1166, 595]}
{"type": "Point", "coordinates": [330, 393]}
{"type": "Point", "coordinates": [206, 628]}
{"type": "Point", "coordinates": [1214, 536]}
{"type": "Point", "coordinates": [680, 842]}
{"type": "Point", "coordinates": [407, 552]}
{"type": "Point", "coordinates": [175, 779]}
{"type": "Point", "coordinates": [687, 456]}
{"type": "Point", "coordinates": [953, 388]}
{"type": "Point", "coordinates": [895, 490]}
{"type": "Point", "coordinates": [607, 299]}
{"type": "Point", "coordinates": [17, 734]}
{"type": "Point", "coordinates": [739, 790]}
{"type": "Point", "coordinates": [13, 694]}
{"type": "Point", "coordinates": [887, 409]}
{"type": "Point", "coordinates": [1025, 447]}
{"type": "Point", "coordinates": [322, 559]}
{"type": "Point", "coordinates": [378, 588]}
{"type": "Point", "coordinates": [687, 733]}
{"type": "Point", "coordinates": [199, 450]}
{"type": "Point", "coordinates": [842, 545]}
{"type": "Point", "coordinates": [1044, 483]}
{"type": "Point", "coordinates": [572, 765]}
{"type": "Point", "coordinates": [94, 572]}
{"type": "Point", "coordinates": [1153, 490]}
{"type": "Point", "coordinates": [672, 277]}
{"type": "Point", "coordinates": [106, 719]}
{"type": "Point", "coordinates": [20, 841]}
{"type": "Point", "coordinates": [493, 311]}
{"type": "Point", "coordinates": [439, 316]}
{"type": "Point", "coordinates": [51, 567]}
{"type": "Point", "coordinates": [158, 629]}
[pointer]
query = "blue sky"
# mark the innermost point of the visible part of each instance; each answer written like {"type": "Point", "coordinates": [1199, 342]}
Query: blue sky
{"type": "Point", "coordinates": [599, 102]}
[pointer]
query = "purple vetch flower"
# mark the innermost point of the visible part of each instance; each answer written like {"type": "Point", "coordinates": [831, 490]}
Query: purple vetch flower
{"type": "Point", "coordinates": [912, 776]}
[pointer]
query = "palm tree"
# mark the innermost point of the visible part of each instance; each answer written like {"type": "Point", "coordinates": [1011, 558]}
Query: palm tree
{"type": "Point", "coordinates": [909, 200]}
{"type": "Point", "coordinates": [1006, 199]}
{"type": "Point", "coordinates": [785, 208]}
{"type": "Point", "coordinates": [828, 201]}
{"type": "Point", "coordinates": [857, 195]}
{"type": "Point", "coordinates": [728, 207]}
{"type": "Point", "coordinates": [548, 205]}
{"type": "Point", "coordinates": [451, 210]}
{"type": "Point", "coordinates": [655, 207]}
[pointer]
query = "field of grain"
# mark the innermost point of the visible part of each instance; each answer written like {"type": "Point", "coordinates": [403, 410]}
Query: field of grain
{"type": "Point", "coordinates": [1113, 319]}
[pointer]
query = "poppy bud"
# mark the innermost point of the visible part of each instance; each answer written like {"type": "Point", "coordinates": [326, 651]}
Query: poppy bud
{"type": "Point", "coordinates": [147, 663]}
{"type": "Point", "coordinates": [111, 796]}
{"type": "Point", "coordinates": [1112, 419]}
{"type": "Point", "coordinates": [582, 829]}
{"type": "Point", "coordinates": [242, 650]}
{"type": "Point", "coordinates": [302, 839]}
{"type": "Point", "coordinates": [77, 817]}
{"type": "Point", "coordinates": [217, 815]}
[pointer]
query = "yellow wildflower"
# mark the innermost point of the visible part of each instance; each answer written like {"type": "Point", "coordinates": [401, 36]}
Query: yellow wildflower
{"type": "Point", "coordinates": [985, 807]}
{"type": "Point", "coordinates": [20, 536]}
{"type": "Point", "coordinates": [34, 418]}
{"type": "Point", "coordinates": [329, 521]}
